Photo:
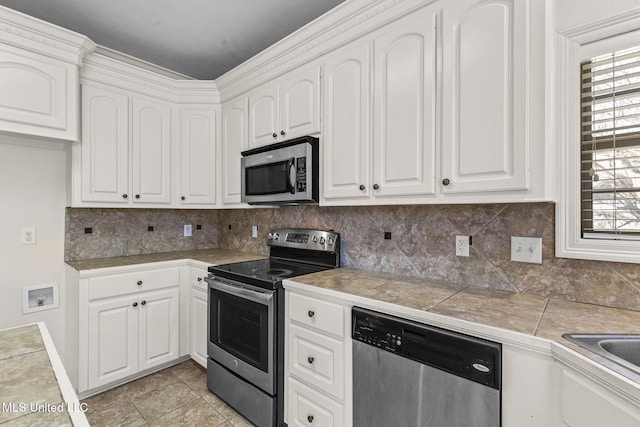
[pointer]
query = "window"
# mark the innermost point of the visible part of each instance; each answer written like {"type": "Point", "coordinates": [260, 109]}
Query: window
{"type": "Point", "coordinates": [596, 123]}
{"type": "Point", "coordinates": [610, 145]}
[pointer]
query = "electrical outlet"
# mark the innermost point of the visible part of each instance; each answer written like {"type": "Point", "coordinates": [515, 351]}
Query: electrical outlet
{"type": "Point", "coordinates": [28, 236]}
{"type": "Point", "coordinates": [526, 249]}
{"type": "Point", "coordinates": [187, 230]}
{"type": "Point", "coordinates": [462, 245]}
{"type": "Point", "coordinates": [254, 231]}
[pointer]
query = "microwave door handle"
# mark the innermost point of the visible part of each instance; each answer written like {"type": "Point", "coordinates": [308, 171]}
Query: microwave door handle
{"type": "Point", "coordinates": [292, 175]}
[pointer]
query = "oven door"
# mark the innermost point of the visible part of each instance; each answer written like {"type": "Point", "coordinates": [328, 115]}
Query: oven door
{"type": "Point", "coordinates": [242, 330]}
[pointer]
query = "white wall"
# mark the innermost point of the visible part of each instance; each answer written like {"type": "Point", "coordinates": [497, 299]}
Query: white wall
{"type": "Point", "coordinates": [33, 193]}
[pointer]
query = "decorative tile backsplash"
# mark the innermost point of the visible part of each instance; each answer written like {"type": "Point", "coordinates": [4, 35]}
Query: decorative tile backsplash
{"type": "Point", "coordinates": [110, 228]}
{"type": "Point", "coordinates": [421, 244]}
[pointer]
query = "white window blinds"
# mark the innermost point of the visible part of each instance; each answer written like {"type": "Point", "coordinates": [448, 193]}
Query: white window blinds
{"type": "Point", "coordinates": [610, 153]}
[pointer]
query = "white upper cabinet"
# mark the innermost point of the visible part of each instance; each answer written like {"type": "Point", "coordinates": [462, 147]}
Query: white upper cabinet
{"type": "Point", "coordinates": [346, 137]}
{"type": "Point", "coordinates": [151, 151]}
{"type": "Point", "coordinates": [234, 141]}
{"type": "Point", "coordinates": [105, 146]}
{"type": "Point", "coordinates": [125, 153]}
{"type": "Point", "coordinates": [393, 157]}
{"type": "Point", "coordinates": [264, 113]}
{"type": "Point", "coordinates": [197, 156]}
{"type": "Point", "coordinates": [286, 108]}
{"type": "Point", "coordinates": [39, 76]}
{"type": "Point", "coordinates": [404, 107]}
{"type": "Point", "coordinates": [39, 95]}
{"type": "Point", "coordinates": [485, 139]}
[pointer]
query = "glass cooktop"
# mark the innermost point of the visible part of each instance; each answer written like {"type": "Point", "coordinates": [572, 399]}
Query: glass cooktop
{"type": "Point", "coordinates": [266, 273]}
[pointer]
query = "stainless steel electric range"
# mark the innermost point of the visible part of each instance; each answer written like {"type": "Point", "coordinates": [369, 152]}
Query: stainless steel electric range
{"type": "Point", "coordinates": [246, 321]}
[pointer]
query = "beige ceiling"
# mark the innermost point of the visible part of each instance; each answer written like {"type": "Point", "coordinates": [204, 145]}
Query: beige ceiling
{"type": "Point", "coordinates": [202, 39]}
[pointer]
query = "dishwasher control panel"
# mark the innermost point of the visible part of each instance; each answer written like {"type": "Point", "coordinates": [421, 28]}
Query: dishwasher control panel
{"type": "Point", "coordinates": [371, 330]}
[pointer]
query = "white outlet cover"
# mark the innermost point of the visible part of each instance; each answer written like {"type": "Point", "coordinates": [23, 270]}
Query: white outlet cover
{"type": "Point", "coordinates": [526, 249]}
{"type": "Point", "coordinates": [462, 245]}
{"type": "Point", "coordinates": [28, 236]}
{"type": "Point", "coordinates": [187, 230]}
{"type": "Point", "coordinates": [254, 231]}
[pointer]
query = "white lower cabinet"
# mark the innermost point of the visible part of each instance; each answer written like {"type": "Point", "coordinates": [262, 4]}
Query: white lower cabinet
{"type": "Point", "coordinates": [132, 324]}
{"type": "Point", "coordinates": [584, 403]}
{"type": "Point", "coordinates": [198, 317]}
{"type": "Point", "coordinates": [318, 362]}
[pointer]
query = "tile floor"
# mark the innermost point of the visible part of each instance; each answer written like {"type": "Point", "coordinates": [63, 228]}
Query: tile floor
{"type": "Point", "coordinates": [172, 397]}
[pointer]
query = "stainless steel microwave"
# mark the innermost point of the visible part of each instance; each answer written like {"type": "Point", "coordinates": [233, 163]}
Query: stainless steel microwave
{"type": "Point", "coordinates": [285, 173]}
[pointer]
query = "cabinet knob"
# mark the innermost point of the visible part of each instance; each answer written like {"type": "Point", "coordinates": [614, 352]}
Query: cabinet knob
{"type": "Point", "coordinates": [137, 196]}
{"type": "Point", "coordinates": [376, 186]}
{"type": "Point", "coordinates": [275, 135]}
{"type": "Point", "coordinates": [282, 132]}
{"type": "Point", "coordinates": [446, 181]}
{"type": "Point", "coordinates": [199, 279]}
{"type": "Point", "coordinates": [311, 313]}
{"type": "Point", "coordinates": [135, 304]}
{"type": "Point", "coordinates": [183, 198]}
{"type": "Point", "coordinates": [310, 359]}
{"type": "Point", "coordinates": [124, 196]}
{"type": "Point", "coordinates": [310, 418]}
{"type": "Point", "coordinates": [139, 282]}
{"type": "Point", "coordinates": [143, 303]}
{"type": "Point", "coordinates": [362, 187]}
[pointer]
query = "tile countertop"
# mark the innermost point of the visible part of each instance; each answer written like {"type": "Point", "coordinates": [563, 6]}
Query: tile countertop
{"type": "Point", "coordinates": [207, 256]}
{"type": "Point", "coordinates": [35, 387]}
{"type": "Point", "coordinates": [507, 316]}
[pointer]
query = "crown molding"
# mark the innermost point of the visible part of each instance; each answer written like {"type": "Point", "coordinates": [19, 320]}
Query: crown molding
{"type": "Point", "coordinates": [346, 22]}
{"type": "Point", "coordinates": [107, 70]}
{"type": "Point", "coordinates": [35, 35]}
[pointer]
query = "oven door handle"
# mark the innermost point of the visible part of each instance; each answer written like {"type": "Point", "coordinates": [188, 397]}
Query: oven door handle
{"type": "Point", "coordinates": [242, 292]}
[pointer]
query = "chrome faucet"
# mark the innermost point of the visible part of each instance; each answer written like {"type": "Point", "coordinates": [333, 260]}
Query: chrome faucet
{"type": "Point", "coordinates": [125, 250]}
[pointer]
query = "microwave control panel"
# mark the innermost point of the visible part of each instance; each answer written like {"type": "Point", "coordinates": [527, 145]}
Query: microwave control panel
{"type": "Point", "coordinates": [301, 174]}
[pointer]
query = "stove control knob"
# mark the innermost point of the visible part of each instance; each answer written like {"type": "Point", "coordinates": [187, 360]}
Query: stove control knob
{"type": "Point", "coordinates": [314, 239]}
{"type": "Point", "coordinates": [269, 236]}
{"type": "Point", "coordinates": [276, 236]}
{"type": "Point", "coordinates": [322, 240]}
{"type": "Point", "coordinates": [330, 241]}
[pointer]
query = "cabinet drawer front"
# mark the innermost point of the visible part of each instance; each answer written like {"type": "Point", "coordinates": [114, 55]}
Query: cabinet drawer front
{"type": "Point", "coordinates": [321, 315]}
{"type": "Point", "coordinates": [127, 283]}
{"type": "Point", "coordinates": [317, 359]}
{"type": "Point", "coordinates": [307, 407]}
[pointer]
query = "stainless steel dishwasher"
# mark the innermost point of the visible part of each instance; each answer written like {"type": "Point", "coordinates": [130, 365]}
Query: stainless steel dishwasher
{"type": "Point", "coordinates": [407, 374]}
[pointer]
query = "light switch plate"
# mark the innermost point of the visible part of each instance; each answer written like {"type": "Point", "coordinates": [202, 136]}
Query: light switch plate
{"type": "Point", "coordinates": [187, 230]}
{"type": "Point", "coordinates": [526, 249]}
{"type": "Point", "coordinates": [254, 231]}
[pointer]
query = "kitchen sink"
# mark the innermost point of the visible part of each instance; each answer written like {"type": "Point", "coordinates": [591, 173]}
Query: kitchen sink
{"type": "Point", "coordinates": [623, 350]}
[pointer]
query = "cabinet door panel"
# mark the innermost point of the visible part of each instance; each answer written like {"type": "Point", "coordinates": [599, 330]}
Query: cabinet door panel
{"type": "Point", "coordinates": [404, 150]}
{"type": "Point", "coordinates": [105, 146]}
{"type": "Point", "coordinates": [159, 328]}
{"type": "Point", "coordinates": [346, 124]}
{"type": "Point", "coordinates": [151, 158]}
{"type": "Point", "coordinates": [198, 158]}
{"type": "Point", "coordinates": [264, 116]}
{"type": "Point", "coordinates": [301, 104]}
{"type": "Point", "coordinates": [199, 327]}
{"type": "Point", "coordinates": [37, 94]}
{"type": "Point", "coordinates": [483, 150]}
{"type": "Point", "coordinates": [234, 141]}
{"type": "Point", "coordinates": [113, 340]}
